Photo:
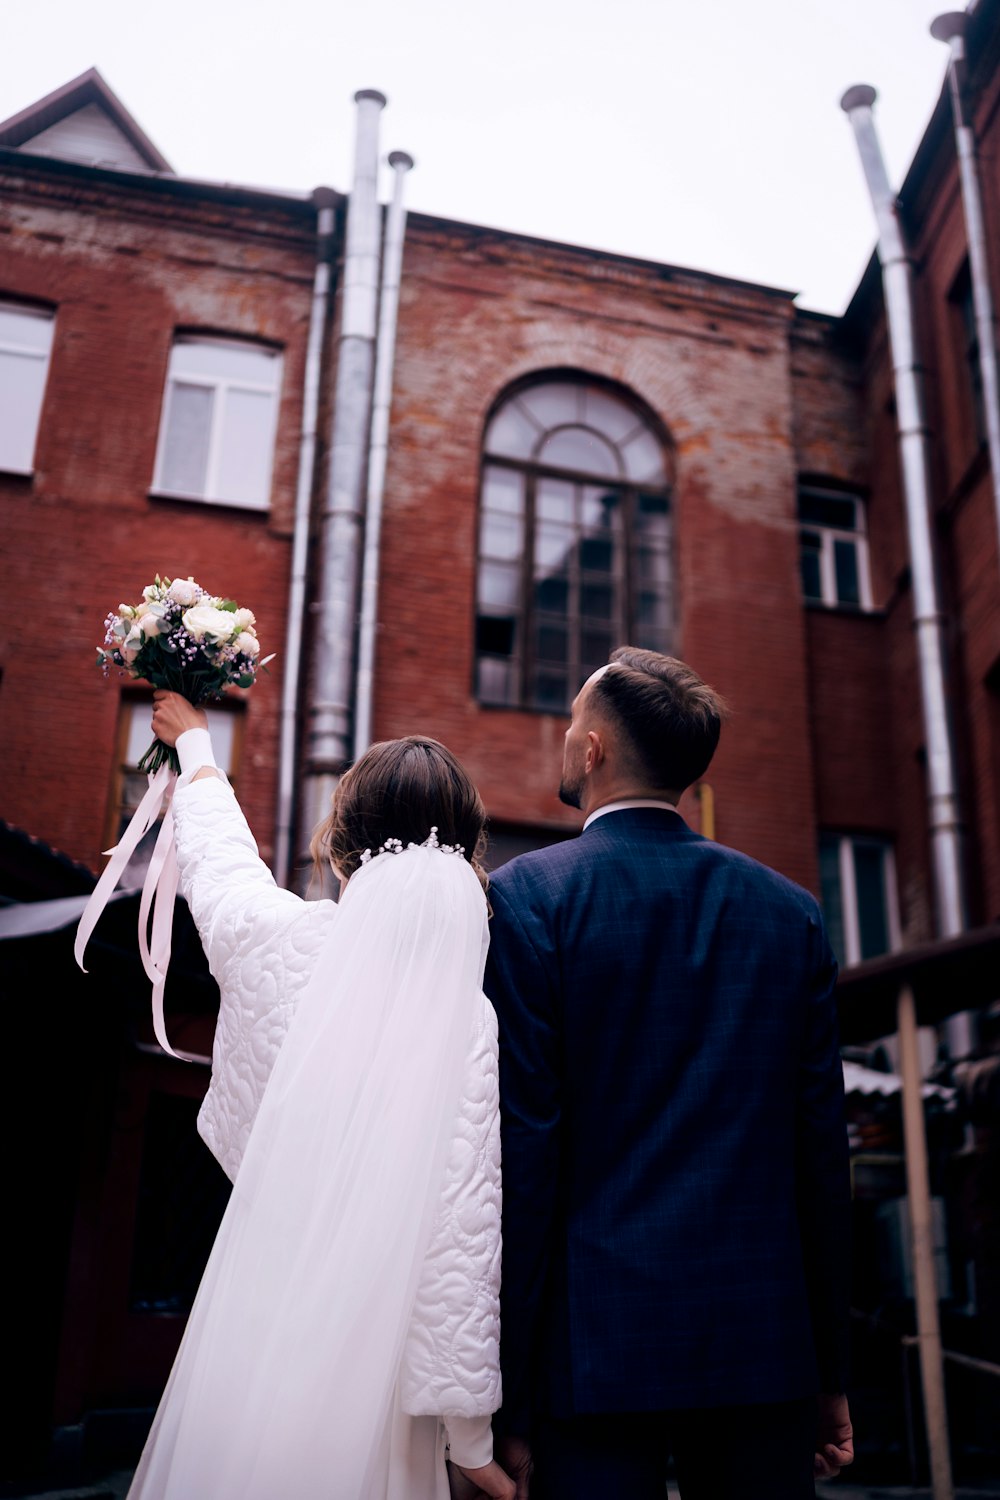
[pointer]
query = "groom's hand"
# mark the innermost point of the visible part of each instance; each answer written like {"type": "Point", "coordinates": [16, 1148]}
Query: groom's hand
{"type": "Point", "coordinates": [834, 1437]}
{"type": "Point", "coordinates": [515, 1455]}
{"type": "Point", "coordinates": [490, 1480]}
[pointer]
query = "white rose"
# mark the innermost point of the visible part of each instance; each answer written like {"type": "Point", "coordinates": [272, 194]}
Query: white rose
{"type": "Point", "coordinates": [204, 622]}
{"type": "Point", "coordinates": [245, 617]}
{"type": "Point", "coordinates": [248, 644]}
{"type": "Point", "coordinates": [184, 591]}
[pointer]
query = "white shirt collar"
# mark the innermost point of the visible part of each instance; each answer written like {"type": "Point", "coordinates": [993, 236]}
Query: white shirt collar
{"type": "Point", "coordinates": [610, 807]}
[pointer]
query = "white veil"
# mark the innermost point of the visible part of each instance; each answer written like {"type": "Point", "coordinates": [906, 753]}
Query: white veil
{"type": "Point", "coordinates": [284, 1381]}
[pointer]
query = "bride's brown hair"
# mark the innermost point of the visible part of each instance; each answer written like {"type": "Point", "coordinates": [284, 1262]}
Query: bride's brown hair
{"type": "Point", "coordinates": [401, 789]}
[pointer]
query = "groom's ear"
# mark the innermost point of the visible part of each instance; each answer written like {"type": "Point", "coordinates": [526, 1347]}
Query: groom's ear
{"type": "Point", "coordinates": [595, 750]}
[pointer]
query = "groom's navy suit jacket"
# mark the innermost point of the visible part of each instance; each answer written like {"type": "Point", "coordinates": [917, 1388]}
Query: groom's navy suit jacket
{"type": "Point", "coordinates": [675, 1186]}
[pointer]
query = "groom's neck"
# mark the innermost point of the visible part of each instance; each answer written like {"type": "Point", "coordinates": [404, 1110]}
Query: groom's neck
{"type": "Point", "coordinates": [624, 791]}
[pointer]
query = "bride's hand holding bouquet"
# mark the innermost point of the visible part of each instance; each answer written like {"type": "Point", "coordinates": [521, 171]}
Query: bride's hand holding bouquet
{"type": "Point", "coordinates": [190, 646]}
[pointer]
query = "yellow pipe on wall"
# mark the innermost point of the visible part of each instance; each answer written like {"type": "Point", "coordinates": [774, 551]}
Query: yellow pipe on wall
{"type": "Point", "coordinates": [706, 805]}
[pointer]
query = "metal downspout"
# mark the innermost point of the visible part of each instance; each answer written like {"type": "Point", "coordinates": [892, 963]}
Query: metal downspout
{"type": "Point", "coordinates": [325, 200]}
{"type": "Point", "coordinates": [392, 262]}
{"type": "Point", "coordinates": [897, 283]}
{"type": "Point", "coordinates": [328, 742]}
{"type": "Point", "coordinates": [951, 28]}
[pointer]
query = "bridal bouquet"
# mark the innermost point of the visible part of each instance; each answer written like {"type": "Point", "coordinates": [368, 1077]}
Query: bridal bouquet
{"type": "Point", "coordinates": [182, 638]}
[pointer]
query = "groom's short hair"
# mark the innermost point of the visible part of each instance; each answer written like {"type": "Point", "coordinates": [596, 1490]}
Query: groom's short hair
{"type": "Point", "coordinates": [670, 718]}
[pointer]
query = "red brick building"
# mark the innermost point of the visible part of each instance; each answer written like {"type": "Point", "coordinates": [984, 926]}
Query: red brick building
{"type": "Point", "coordinates": [584, 448]}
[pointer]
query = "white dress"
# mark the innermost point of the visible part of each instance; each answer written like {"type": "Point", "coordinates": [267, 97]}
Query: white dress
{"type": "Point", "coordinates": [263, 945]}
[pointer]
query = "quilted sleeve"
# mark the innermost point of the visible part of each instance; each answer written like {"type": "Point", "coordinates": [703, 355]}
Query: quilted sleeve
{"type": "Point", "coordinates": [260, 941]}
{"type": "Point", "coordinates": [451, 1360]}
{"type": "Point", "coordinates": [221, 871]}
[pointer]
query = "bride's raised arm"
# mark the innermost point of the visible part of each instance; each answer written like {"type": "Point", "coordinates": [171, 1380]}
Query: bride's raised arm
{"type": "Point", "coordinates": [259, 940]}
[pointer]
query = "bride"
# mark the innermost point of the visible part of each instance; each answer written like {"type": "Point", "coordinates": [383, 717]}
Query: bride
{"type": "Point", "coordinates": [344, 1342]}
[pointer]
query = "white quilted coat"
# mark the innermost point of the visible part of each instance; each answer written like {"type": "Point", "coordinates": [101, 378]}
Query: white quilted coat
{"type": "Point", "coordinates": [261, 943]}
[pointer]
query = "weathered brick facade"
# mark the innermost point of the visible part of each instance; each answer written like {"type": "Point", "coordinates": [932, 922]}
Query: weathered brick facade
{"type": "Point", "coordinates": [125, 267]}
{"type": "Point", "coordinates": [826, 731]}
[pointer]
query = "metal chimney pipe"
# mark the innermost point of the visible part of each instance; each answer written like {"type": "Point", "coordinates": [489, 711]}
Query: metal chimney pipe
{"type": "Point", "coordinates": [897, 280]}
{"type": "Point", "coordinates": [951, 28]}
{"type": "Point", "coordinates": [325, 200]}
{"type": "Point", "coordinates": [392, 263]}
{"type": "Point", "coordinates": [328, 743]}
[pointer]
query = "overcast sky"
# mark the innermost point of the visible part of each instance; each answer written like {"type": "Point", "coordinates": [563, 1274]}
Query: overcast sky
{"type": "Point", "coordinates": [704, 133]}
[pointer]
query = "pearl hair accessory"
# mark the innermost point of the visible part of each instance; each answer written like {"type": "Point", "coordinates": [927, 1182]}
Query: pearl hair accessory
{"type": "Point", "coordinates": [395, 846]}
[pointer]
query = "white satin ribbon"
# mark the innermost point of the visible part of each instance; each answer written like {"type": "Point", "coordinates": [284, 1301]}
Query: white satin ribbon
{"type": "Point", "coordinates": [159, 890]}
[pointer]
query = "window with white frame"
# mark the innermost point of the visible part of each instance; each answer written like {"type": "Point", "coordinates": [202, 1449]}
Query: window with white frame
{"type": "Point", "coordinates": [220, 412]}
{"type": "Point", "coordinates": [25, 346]}
{"type": "Point", "coordinates": [833, 548]}
{"type": "Point", "coordinates": [858, 891]}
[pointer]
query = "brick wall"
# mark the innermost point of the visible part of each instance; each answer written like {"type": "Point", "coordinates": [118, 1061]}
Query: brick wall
{"type": "Point", "coordinates": [123, 270]}
{"type": "Point", "coordinates": [711, 361]}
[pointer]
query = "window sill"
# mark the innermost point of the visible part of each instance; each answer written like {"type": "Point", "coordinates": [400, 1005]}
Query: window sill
{"type": "Point", "coordinates": [522, 708]}
{"type": "Point", "coordinates": [844, 611]}
{"type": "Point", "coordinates": [252, 506]}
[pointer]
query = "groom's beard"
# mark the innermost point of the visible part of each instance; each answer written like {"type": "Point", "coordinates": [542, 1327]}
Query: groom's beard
{"type": "Point", "coordinates": [570, 791]}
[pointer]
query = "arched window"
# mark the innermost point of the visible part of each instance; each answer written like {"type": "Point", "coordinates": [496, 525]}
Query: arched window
{"type": "Point", "coordinates": [574, 541]}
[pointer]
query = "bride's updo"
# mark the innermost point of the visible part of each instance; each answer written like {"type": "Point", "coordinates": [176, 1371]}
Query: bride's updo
{"type": "Point", "coordinates": [401, 789]}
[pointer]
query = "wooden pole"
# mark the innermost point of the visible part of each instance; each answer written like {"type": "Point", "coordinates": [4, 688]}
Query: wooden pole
{"type": "Point", "coordinates": [922, 1232]}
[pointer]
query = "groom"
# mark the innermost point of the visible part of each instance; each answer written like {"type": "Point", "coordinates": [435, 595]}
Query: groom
{"type": "Point", "coordinates": [676, 1198]}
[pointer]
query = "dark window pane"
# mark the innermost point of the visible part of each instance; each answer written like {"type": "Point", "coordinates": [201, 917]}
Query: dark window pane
{"type": "Point", "coordinates": [579, 449]}
{"type": "Point", "coordinates": [812, 582]}
{"type": "Point", "coordinates": [495, 634]}
{"type": "Point", "coordinates": [869, 881]}
{"type": "Point", "coordinates": [597, 554]}
{"type": "Point", "coordinates": [831, 895]}
{"type": "Point", "coordinates": [550, 690]}
{"type": "Point", "coordinates": [845, 561]}
{"type": "Point", "coordinates": [596, 646]}
{"type": "Point", "coordinates": [597, 599]}
{"type": "Point", "coordinates": [552, 594]}
{"type": "Point", "coordinates": [502, 536]}
{"type": "Point", "coordinates": [551, 643]}
{"type": "Point", "coordinates": [968, 313]}
{"type": "Point", "coordinates": [828, 510]}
